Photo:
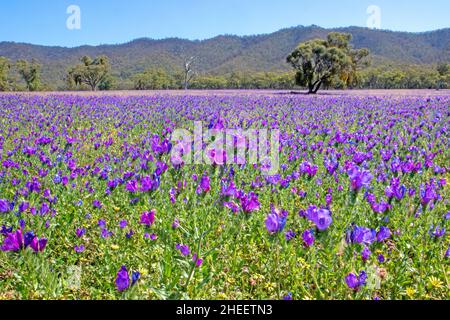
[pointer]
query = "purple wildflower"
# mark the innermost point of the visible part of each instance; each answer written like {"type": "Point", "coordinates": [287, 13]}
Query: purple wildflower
{"type": "Point", "coordinates": [148, 218]}
{"type": "Point", "coordinates": [101, 223]}
{"type": "Point", "coordinates": [361, 235]}
{"type": "Point", "coordinates": [79, 249]}
{"type": "Point", "coordinates": [175, 223]}
{"type": "Point", "coordinates": [250, 202]}
{"type": "Point", "coordinates": [123, 224]}
{"type": "Point", "coordinates": [97, 204]}
{"type": "Point", "coordinates": [38, 245]}
{"type": "Point", "coordinates": [122, 279]}
{"type": "Point", "coordinates": [129, 234]}
{"type": "Point", "coordinates": [308, 238]}
{"type": "Point", "coordinates": [383, 234]}
{"type": "Point", "coordinates": [356, 282]}
{"type": "Point", "coordinates": [184, 249]}
{"type": "Point", "coordinates": [428, 193]}
{"type": "Point", "coordinates": [359, 178]}
{"type": "Point", "coordinates": [135, 275]}
{"type": "Point", "coordinates": [204, 186]}
{"type": "Point", "coordinates": [4, 206]}
{"type": "Point", "coordinates": [276, 221]}
{"type": "Point", "coordinates": [80, 232]}
{"type": "Point", "coordinates": [198, 262]}
{"type": "Point", "coordinates": [438, 232]}
{"type": "Point", "coordinates": [132, 186]}
{"type": "Point", "coordinates": [320, 217]}
{"type": "Point", "coordinates": [13, 241]}
{"type": "Point", "coordinates": [365, 254]}
{"type": "Point", "coordinates": [288, 297]}
{"type": "Point", "coordinates": [289, 235]}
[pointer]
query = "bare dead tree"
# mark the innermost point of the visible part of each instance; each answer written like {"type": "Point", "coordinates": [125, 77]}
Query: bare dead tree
{"type": "Point", "coordinates": [188, 71]}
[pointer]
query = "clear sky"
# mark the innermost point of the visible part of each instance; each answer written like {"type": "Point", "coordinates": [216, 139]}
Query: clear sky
{"type": "Point", "coordinates": [118, 21]}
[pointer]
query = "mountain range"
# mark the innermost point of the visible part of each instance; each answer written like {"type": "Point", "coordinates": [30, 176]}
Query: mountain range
{"type": "Point", "coordinates": [227, 53]}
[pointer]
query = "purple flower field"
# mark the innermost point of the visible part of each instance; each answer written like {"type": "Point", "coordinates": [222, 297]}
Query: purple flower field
{"type": "Point", "coordinates": [98, 198]}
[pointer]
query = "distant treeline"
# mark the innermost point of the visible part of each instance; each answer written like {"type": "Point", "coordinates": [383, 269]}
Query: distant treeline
{"type": "Point", "coordinates": [406, 77]}
{"type": "Point", "coordinates": [23, 75]}
{"type": "Point", "coordinates": [380, 77]}
{"type": "Point", "coordinates": [157, 79]}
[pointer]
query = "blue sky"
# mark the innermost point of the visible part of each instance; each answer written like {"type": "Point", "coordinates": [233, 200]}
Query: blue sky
{"type": "Point", "coordinates": [118, 21]}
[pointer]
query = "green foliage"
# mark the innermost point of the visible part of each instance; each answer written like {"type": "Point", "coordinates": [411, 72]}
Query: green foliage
{"type": "Point", "coordinates": [443, 68]}
{"type": "Point", "coordinates": [91, 72]}
{"type": "Point", "coordinates": [403, 77]}
{"type": "Point", "coordinates": [30, 73]}
{"type": "Point", "coordinates": [324, 62]}
{"type": "Point", "coordinates": [444, 75]}
{"type": "Point", "coordinates": [209, 82]}
{"type": "Point", "coordinates": [261, 80]}
{"type": "Point", "coordinates": [160, 79]}
{"type": "Point", "coordinates": [5, 66]}
{"type": "Point", "coordinates": [69, 83]}
{"type": "Point", "coordinates": [108, 83]}
{"type": "Point", "coordinates": [154, 79]}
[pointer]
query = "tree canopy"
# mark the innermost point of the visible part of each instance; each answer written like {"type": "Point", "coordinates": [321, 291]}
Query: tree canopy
{"type": "Point", "coordinates": [91, 72]}
{"type": "Point", "coordinates": [30, 72]}
{"type": "Point", "coordinates": [5, 66]}
{"type": "Point", "coordinates": [154, 79]}
{"type": "Point", "coordinates": [321, 62]}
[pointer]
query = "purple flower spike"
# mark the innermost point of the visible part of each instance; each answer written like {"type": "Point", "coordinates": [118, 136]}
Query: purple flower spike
{"type": "Point", "coordinates": [205, 186]}
{"type": "Point", "coordinates": [276, 221]}
{"type": "Point", "coordinates": [97, 204]}
{"type": "Point", "coordinates": [4, 206]}
{"type": "Point", "coordinates": [80, 232]}
{"type": "Point", "coordinates": [135, 277]}
{"type": "Point", "coordinates": [359, 178]}
{"type": "Point", "coordinates": [352, 281]}
{"type": "Point", "coordinates": [13, 241]}
{"type": "Point", "coordinates": [38, 245]}
{"type": "Point", "coordinates": [79, 249]}
{"type": "Point", "coordinates": [122, 279]}
{"type": "Point", "coordinates": [250, 202]}
{"type": "Point", "coordinates": [123, 224]}
{"type": "Point", "coordinates": [148, 218]}
{"type": "Point", "coordinates": [321, 217]}
{"type": "Point", "coordinates": [308, 238]}
{"type": "Point", "coordinates": [184, 249]}
{"type": "Point", "coordinates": [289, 235]}
{"type": "Point", "coordinates": [365, 254]}
{"type": "Point", "coordinates": [198, 262]}
{"type": "Point", "coordinates": [383, 234]}
{"type": "Point", "coordinates": [356, 282]}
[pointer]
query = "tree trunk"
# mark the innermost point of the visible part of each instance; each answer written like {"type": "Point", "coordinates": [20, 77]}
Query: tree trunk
{"type": "Point", "coordinates": [317, 88]}
{"type": "Point", "coordinates": [314, 87]}
{"type": "Point", "coordinates": [186, 76]}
